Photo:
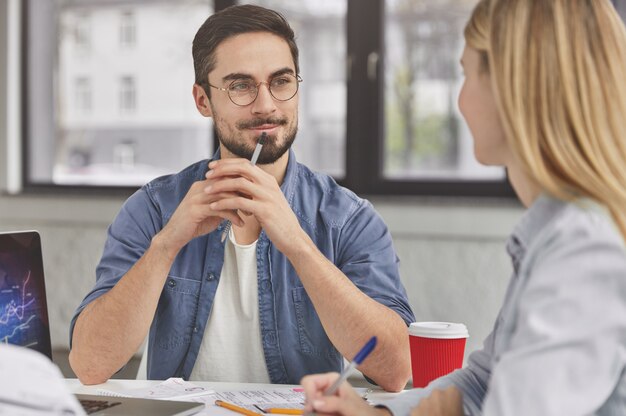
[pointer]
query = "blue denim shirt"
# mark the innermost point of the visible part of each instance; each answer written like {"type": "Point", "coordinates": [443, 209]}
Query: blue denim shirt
{"type": "Point", "coordinates": [345, 228]}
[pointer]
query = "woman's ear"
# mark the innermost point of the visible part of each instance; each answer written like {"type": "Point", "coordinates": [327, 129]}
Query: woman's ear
{"type": "Point", "coordinates": [203, 103]}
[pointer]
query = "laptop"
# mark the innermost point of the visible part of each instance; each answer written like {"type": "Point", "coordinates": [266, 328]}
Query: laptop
{"type": "Point", "coordinates": [24, 322]}
{"type": "Point", "coordinates": [23, 308]}
{"type": "Point", "coordinates": [126, 406]}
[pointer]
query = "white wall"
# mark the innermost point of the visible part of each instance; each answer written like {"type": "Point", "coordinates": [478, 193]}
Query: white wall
{"type": "Point", "coordinates": [452, 250]}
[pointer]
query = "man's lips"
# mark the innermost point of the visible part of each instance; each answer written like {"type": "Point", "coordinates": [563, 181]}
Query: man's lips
{"type": "Point", "coordinates": [264, 127]}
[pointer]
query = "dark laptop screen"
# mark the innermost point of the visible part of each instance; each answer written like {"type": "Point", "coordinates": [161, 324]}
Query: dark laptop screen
{"type": "Point", "coordinates": [23, 308]}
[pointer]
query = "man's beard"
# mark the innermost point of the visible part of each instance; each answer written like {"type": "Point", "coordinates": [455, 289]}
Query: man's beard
{"type": "Point", "coordinates": [271, 151]}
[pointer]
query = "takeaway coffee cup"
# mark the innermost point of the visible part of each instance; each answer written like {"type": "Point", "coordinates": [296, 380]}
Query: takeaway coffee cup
{"type": "Point", "coordinates": [436, 349]}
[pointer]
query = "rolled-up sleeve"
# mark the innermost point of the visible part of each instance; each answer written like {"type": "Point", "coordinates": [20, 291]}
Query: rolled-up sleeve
{"type": "Point", "coordinates": [366, 255]}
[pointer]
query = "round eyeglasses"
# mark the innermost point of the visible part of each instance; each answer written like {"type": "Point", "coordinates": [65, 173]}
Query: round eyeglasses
{"type": "Point", "coordinates": [243, 92]}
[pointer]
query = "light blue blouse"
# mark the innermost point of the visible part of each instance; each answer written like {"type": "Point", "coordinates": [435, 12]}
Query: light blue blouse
{"type": "Point", "coordinates": [558, 346]}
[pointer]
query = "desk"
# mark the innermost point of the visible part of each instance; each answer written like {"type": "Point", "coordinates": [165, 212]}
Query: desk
{"type": "Point", "coordinates": [376, 396]}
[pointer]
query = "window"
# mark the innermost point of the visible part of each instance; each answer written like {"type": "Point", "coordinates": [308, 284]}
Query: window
{"type": "Point", "coordinates": [99, 119]}
{"type": "Point", "coordinates": [378, 105]}
{"type": "Point", "coordinates": [425, 137]}
{"type": "Point", "coordinates": [320, 33]}
{"type": "Point", "coordinates": [127, 94]}
{"type": "Point", "coordinates": [82, 29]}
{"type": "Point", "coordinates": [127, 29]}
{"type": "Point", "coordinates": [83, 94]}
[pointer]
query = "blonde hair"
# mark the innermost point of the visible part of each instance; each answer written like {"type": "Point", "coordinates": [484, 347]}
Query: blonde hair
{"type": "Point", "coordinates": [559, 73]}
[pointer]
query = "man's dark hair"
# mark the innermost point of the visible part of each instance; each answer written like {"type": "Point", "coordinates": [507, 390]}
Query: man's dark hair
{"type": "Point", "coordinates": [232, 21]}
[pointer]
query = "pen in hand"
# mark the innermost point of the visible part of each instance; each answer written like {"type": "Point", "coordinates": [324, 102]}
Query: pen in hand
{"type": "Point", "coordinates": [255, 157]}
{"type": "Point", "coordinates": [358, 359]}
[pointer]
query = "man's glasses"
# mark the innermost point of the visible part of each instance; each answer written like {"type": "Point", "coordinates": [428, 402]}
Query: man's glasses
{"type": "Point", "coordinates": [243, 92]}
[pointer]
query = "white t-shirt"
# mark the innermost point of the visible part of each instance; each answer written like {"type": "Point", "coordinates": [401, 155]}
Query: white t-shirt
{"type": "Point", "coordinates": [231, 348]}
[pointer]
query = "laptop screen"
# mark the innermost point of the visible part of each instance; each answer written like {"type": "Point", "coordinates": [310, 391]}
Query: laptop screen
{"type": "Point", "coordinates": [23, 308]}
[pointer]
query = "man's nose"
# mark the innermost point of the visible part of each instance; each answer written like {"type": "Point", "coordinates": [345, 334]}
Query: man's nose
{"type": "Point", "coordinates": [264, 103]}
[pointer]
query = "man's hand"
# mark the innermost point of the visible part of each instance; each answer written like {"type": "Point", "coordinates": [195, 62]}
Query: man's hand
{"type": "Point", "coordinates": [194, 217]}
{"type": "Point", "coordinates": [238, 185]}
{"type": "Point", "coordinates": [345, 402]}
{"type": "Point", "coordinates": [446, 402]}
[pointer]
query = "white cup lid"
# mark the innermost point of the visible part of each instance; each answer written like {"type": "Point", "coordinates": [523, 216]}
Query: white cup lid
{"type": "Point", "coordinates": [444, 330]}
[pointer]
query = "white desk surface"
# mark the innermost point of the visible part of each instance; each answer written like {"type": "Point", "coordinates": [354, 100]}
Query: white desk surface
{"type": "Point", "coordinates": [118, 384]}
{"type": "Point", "coordinates": [377, 395]}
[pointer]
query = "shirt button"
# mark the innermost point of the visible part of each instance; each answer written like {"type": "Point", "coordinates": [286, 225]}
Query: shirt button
{"type": "Point", "coordinates": [210, 277]}
{"type": "Point", "coordinates": [269, 338]}
{"type": "Point", "coordinates": [265, 285]}
{"type": "Point", "coordinates": [171, 283]}
{"type": "Point", "coordinates": [195, 329]}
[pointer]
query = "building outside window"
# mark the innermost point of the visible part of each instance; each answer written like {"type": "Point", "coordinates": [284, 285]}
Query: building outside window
{"type": "Point", "coordinates": [320, 28]}
{"type": "Point", "coordinates": [425, 135]}
{"type": "Point", "coordinates": [378, 104]}
{"type": "Point", "coordinates": [105, 119]}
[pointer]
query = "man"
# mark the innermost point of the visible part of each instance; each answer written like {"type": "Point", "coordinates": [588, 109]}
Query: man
{"type": "Point", "coordinates": [307, 273]}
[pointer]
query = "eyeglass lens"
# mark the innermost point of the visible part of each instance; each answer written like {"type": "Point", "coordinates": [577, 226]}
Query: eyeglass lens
{"type": "Point", "coordinates": [281, 87]}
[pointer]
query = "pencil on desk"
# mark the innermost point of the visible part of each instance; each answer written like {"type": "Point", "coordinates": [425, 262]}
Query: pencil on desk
{"type": "Point", "coordinates": [276, 410]}
{"type": "Point", "coordinates": [235, 408]}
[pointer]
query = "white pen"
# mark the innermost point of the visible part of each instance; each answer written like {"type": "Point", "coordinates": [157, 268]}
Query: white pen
{"type": "Point", "coordinates": [255, 157]}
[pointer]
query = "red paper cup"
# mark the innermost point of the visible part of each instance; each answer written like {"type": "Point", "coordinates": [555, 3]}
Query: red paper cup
{"type": "Point", "coordinates": [436, 349]}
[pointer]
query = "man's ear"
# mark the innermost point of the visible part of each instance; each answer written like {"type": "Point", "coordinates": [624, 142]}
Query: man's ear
{"type": "Point", "coordinates": [203, 103]}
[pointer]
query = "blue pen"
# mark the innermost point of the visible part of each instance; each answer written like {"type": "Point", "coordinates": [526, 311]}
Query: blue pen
{"type": "Point", "coordinates": [358, 359]}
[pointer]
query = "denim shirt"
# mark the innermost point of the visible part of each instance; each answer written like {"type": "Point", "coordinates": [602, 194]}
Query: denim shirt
{"type": "Point", "coordinates": [558, 346]}
{"type": "Point", "coordinates": [344, 227]}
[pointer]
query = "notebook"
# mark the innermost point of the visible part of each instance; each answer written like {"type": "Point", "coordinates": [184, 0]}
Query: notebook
{"type": "Point", "coordinates": [24, 322]}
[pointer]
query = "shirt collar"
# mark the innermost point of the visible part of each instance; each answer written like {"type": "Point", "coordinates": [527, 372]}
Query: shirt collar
{"type": "Point", "coordinates": [536, 217]}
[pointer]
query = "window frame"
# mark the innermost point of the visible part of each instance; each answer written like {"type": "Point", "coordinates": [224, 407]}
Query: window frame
{"type": "Point", "coordinates": [364, 160]}
{"type": "Point", "coordinates": [365, 169]}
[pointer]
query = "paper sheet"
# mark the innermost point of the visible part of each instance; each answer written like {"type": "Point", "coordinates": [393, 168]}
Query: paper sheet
{"type": "Point", "coordinates": [254, 400]}
{"type": "Point", "coordinates": [179, 389]}
{"type": "Point", "coordinates": [170, 389]}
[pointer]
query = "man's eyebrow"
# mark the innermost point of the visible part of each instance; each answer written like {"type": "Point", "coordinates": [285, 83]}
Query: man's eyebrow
{"type": "Point", "coordinates": [241, 75]}
{"type": "Point", "coordinates": [282, 71]}
{"type": "Point", "coordinates": [236, 75]}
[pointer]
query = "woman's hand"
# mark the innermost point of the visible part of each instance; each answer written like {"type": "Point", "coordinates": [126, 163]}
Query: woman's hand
{"type": "Point", "coordinates": [345, 401]}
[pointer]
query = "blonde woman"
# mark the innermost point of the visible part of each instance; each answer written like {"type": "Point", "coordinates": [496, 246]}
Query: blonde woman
{"type": "Point", "coordinates": [544, 96]}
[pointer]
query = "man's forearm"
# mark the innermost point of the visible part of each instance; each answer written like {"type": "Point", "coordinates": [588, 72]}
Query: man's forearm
{"type": "Point", "coordinates": [111, 329]}
{"type": "Point", "coordinates": [350, 317]}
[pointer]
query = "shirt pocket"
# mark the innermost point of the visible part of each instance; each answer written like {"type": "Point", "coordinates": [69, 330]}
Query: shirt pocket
{"type": "Point", "coordinates": [176, 312]}
{"type": "Point", "coordinates": [311, 334]}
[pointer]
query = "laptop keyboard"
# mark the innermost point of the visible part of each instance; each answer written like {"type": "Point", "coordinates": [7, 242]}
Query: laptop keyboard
{"type": "Point", "coordinates": [93, 406]}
